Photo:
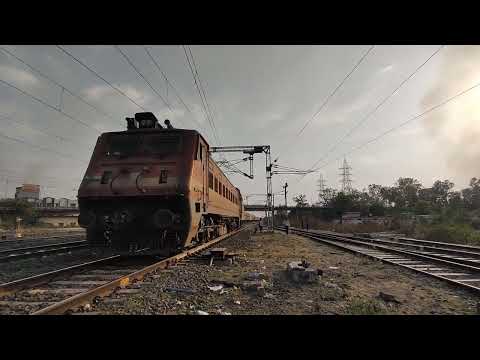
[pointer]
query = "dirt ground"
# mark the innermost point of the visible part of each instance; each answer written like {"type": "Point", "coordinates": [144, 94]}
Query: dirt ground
{"type": "Point", "coordinates": [349, 285]}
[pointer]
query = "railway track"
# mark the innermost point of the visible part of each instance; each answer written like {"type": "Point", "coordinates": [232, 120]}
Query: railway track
{"type": "Point", "coordinates": [456, 264]}
{"type": "Point", "coordinates": [21, 242]}
{"type": "Point", "coordinates": [59, 291]}
{"type": "Point", "coordinates": [41, 250]}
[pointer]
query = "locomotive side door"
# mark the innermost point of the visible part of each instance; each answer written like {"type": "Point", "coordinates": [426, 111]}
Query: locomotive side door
{"type": "Point", "coordinates": [204, 160]}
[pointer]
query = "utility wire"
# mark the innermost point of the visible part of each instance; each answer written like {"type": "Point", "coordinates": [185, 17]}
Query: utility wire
{"type": "Point", "coordinates": [365, 118]}
{"type": "Point", "coordinates": [401, 125]}
{"type": "Point", "coordinates": [142, 76]}
{"type": "Point", "coordinates": [100, 77]}
{"type": "Point", "coordinates": [336, 89]}
{"type": "Point", "coordinates": [204, 94]}
{"type": "Point", "coordinates": [39, 147]}
{"type": "Point", "coordinates": [11, 119]}
{"type": "Point", "coordinates": [166, 79]}
{"type": "Point", "coordinates": [409, 121]}
{"type": "Point", "coordinates": [48, 105]}
{"type": "Point", "coordinates": [200, 93]}
{"type": "Point", "coordinates": [58, 84]}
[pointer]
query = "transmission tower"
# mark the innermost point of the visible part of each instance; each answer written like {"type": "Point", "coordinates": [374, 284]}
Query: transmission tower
{"type": "Point", "coordinates": [346, 179]}
{"type": "Point", "coordinates": [320, 188]}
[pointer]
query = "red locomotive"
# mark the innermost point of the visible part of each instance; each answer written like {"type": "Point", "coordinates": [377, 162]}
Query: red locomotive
{"type": "Point", "coordinates": [155, 189]}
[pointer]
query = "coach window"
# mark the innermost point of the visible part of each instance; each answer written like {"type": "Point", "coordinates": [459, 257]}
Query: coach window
{"type": "Point", "coordinates": [216, 184]}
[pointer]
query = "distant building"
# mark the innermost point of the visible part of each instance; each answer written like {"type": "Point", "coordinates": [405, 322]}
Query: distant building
{"type": "Point", "coordinates": [48, 202]}
{"type": "Point", "coordinates": [28, 192]}
{"type": "Point", "coordinates": [62, 203]}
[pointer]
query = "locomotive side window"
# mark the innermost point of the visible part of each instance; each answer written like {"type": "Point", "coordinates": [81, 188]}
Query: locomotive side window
{"type": "Point", "coordinates": [210, 180]}
{"type": "Point", "coordinates": [163, 177]}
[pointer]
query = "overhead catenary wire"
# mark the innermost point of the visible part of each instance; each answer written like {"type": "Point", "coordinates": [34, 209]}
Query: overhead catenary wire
{"type": "Point", "coordinates": [402, 124]}
{"type": "Point", "coordinates": [24, 124]}
{"type": "Point", "coordinates": [142, 76]}
{"type": "Point", "coordinates": [379, 105]}
{"type": "Point", "coordinates": [202, 88]}
{"type": "Point", "coordinates": [99, 76]}
{"type": "Point", "coordinates": [31, 67]}
{"type": "Point", "coordinates": [40, 147]}
{"type": "Point", "coordinates": [49, 105]}
{"type": "Point", "coordinates": [166, 79]}
{"type": "Point", "coordinates": [200, 93]}
{"type": "Point", "coordinates": [325, 102]}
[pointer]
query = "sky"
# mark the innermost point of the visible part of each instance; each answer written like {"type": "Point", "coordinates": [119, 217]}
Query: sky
{"type": "Point", "coordinates": [259, 95]}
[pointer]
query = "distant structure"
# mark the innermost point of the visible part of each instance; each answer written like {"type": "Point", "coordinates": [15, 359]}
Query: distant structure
{"type": "Point", "coordinates": [65, 203]}
{"type": "Point", "coordinates": [346, 179]}
{"type": "Point", "coordinates": [320, 188]}
{"type": "Point", "coordinates": [48, 202]}
{"type": "Point", "coordinates": [28, 192]}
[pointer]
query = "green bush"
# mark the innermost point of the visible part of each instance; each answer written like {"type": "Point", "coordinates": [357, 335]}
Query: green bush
{"type": "Point", "coordinates": [454, 233]}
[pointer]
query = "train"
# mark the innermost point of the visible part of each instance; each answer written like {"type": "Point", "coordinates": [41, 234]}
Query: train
{"type": "Point", "coordinates": [155, 189]}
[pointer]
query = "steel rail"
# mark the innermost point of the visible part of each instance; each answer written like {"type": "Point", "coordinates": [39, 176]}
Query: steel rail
{"type": "Point", "coordinates": [44, 238]}
{"type": "Point", "coordinates": [35, 251]}
{"type": "Point", "coordinates": [470, 258]}
{"type": "Point", "coordinates": [438, 258]}
{"type": "Point", "coordinates": [106, 289]}
{"type": "Point", "coordinates": [35, 280]}
{"type": "Point", "coordinates": [425, 265]}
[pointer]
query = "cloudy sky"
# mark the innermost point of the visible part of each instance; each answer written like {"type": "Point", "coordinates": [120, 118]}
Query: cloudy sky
{"type": "Point", "coordinates": [258, 95]}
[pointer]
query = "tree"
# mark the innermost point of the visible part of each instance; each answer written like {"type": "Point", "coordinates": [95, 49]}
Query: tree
{"type": "Point", "coordinates": [342, 203]}
{"type": "Point", "coordinates": [327, 195]}
{"type": "Point", "coordinates": [407, 192]}
{"type": "Point", "coordinates": [301, 200]}
{"type": "Point", "coordinates": [376, 193]}
{"type": "Point", "coordinates": [440, 192]}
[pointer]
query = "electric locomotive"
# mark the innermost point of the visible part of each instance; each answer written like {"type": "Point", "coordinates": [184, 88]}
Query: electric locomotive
{"type": "Point", "coordinates": [155, 189]}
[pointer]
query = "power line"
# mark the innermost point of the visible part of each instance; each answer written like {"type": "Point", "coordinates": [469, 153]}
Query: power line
{"type": "Point", "coordinates": [396, 127]}
{"type": "Point", "coordinates": [204, 95]}
{"type": "Point", "coordinates": [58, 84]}
{"type": "Point", "coordinates": [100, 77]}
{"type": "Point", "coordinates": [336, 89]}
{"type": "Point", "coordinates": [142, 76]}
{"type": "Point", "coordinates": [9, 118]}
{"type": "Point", "coordinates": [39, 147]}
{"type": "Point", "coordinates": [365, 118]}
{"type": "Point", "coordinates": [48, 105]}
{"type": "Point", "coordinates": [166, 79]}
{"type": "Point", "coordinates": [204, 107]}
{"type": "Point", "coordinates": [407, 122]}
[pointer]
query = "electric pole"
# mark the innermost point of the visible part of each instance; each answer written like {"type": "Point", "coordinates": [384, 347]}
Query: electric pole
{"type": "Point", "coordinates": [285, 192]}
{"type": "Point", "coordinates": [346, 177]}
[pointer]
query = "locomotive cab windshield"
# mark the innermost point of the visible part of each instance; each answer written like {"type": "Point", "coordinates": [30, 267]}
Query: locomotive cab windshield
{"type": "Point", "coordinates": [143, 144]}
